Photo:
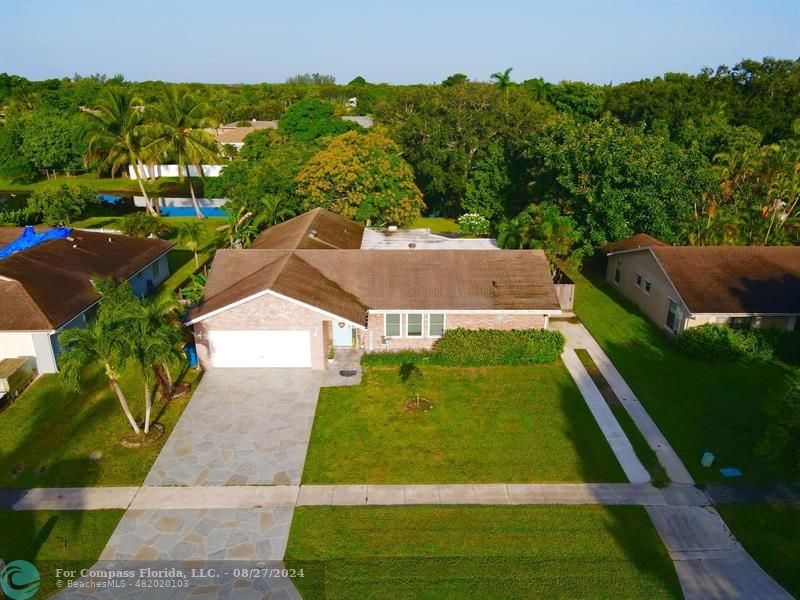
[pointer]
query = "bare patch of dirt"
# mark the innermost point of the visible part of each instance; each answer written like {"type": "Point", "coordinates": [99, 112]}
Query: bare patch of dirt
{"type": "Point", "coordinates": [133, 440]}
{"type": "Point", "coordinates": [421, 405]}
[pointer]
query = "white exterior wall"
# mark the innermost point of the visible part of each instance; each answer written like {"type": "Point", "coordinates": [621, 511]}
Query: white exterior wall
{"type": "Point", "coordinates": [16, 343]}
{"type": "Point", "coordinates": [172, 171]}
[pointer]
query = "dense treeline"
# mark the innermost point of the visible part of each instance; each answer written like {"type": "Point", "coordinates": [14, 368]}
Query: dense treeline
{"type": "Point", "coordinates": [703, 159]}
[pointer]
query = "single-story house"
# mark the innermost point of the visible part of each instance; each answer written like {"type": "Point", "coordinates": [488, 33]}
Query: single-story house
{"type": "Point", "coordinates": [48, 288]}
{"type": "Point", "coordinates": [679, 287]}
{"type": "Point", "coordinates": [307, 284]}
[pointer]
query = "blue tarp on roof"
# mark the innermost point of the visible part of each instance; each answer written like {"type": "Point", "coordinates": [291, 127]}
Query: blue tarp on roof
{"type": "Point", "coordinates": [30, 238]}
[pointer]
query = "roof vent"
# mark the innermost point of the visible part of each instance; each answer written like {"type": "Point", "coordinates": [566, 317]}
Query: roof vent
{"type": "Point", "coordinates": [74, 245]}
{"type": "Point", "coordinates": [412, 245]}
{"type": "Point", "coordinates": [312, 233]}
{"type": "Point", "coordinates": [70, 238]}
{"type": "Point", "coordinates": [494, 283]}
{"type": "Point", "coordinates": [109, 240]}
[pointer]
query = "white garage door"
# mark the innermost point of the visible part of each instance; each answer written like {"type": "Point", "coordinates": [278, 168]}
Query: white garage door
{"type": "Point", "coordinates": [260, 348]}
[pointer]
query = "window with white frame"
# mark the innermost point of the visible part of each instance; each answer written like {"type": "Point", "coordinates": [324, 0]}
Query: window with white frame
{"type": "Point", "coordinates": [436, 325]}
{"type": "Point", "coordinates": [414, 324]}
{"type": "Point", "coordinates": [392, 325]}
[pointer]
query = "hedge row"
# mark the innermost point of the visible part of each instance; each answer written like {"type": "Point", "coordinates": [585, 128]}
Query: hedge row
{"type": "Point", "coordinates": [479, 348]}
{"type": "Point", "coordinates": [718, 342]}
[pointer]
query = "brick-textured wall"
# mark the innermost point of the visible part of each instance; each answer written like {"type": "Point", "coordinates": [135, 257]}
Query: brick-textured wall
{"type": "Point", "coordinates": [467, 321]}
{"type": "Point", "coordinates": [266, 312]}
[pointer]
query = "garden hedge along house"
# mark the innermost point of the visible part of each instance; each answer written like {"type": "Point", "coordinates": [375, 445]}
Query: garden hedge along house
{"type": "Point", "coordinates": [679, 287]}
{"type": "Point", "coordinates": [46, 287]}
{"type": "Point", "coordinates": [307, 284]}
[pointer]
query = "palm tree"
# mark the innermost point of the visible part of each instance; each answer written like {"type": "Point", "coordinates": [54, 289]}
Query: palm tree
{"type": "Point", "coordinates": [272, 211]}
{"type": "Point", "coordinates": [178, 131]}
{"type": "Point", "coordinates": [190, 235]}
{"type": "Point", "coordinates": [512, 234]}
{"type": "Point", "coordinates": [239, 229]}
{"type": "Point", "coordinates": [117, 142]}
{"type": "Point", "coordinates": [96, 343]}
{"type": "Point", "coordinates": [160, 314]}
{"type": "Point", "coordinates": [503, 80]}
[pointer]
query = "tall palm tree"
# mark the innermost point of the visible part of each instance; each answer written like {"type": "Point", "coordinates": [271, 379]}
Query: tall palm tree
{"type": "Point", "coordinates": [503, 80]}
{"type": "Point", "coordinates": [271, 211]}
{"type": "Point", "coordinates": [190, 235]}
{"type": "Point", "coordinates": [178, 131]}
{"type": "Point", "coordinates": [117, 141]}
{"type": "Point", "coordinates": [160, 314]}
{"type": "Point", "coordinates": [95, 344]}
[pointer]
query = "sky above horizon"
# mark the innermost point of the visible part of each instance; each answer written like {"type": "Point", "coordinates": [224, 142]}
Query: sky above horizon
{"type": "Point", "coordinates": [394, 42]}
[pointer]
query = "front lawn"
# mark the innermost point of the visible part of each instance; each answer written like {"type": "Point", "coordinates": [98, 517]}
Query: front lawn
{"type": "Point", "coordinates": [771, 534]}
{"type": "Point", "coordinates": [70, 540]}
{"type": "Point", "coordinates": [181, 260]}
{"type": "Point", "coordinates": [436, 224]}
{"type": "Point", "coordinates": [488, 424]}
{"type": "Point", "coordinates": [479, 552]}
{"type": "Point", "coordinates": [49, 426]}
{"type": "Point", "coordinates": [699, 405]}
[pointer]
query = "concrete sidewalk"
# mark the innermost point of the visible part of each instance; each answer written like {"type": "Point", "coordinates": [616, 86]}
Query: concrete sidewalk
{"type": "Point", "coordinates": [244, 497]}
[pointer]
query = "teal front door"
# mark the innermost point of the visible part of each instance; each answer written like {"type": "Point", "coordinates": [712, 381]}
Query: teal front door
{"type": "Point", "coordinates": [342, 334]}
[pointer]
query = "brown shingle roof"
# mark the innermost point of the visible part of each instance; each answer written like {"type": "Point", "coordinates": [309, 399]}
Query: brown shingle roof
{"type": "Point", "coordinates": [347, 283]}
{"type": "Point", "coordinates": [48, 285]}
{"type": "Point", "coordinates": [640, 240]}
{"type": "Point", "coordinates": [316, 229]}
{"type": "Point", "coordinates": [734, 279]}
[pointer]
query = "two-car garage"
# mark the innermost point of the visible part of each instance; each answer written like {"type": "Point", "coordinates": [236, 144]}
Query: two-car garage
{"type": "Point", "coordinates": [260, 348]}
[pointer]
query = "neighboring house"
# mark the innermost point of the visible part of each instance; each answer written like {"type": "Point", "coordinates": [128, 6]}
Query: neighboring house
{"type": "Point", "coordinates": [307, 284]}
{"type": "Point", "coordinates": [47, 288]}
{"type": "Point", "coordinates": [156, 171]}
{"type": "Point", "coordinates": [679, 287]}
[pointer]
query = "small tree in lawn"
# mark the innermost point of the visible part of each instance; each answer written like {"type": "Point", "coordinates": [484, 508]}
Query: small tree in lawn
{"type": "Point", "coordinates": [411, 376]}
{"type": "Point", "coordinates": [190, 235]}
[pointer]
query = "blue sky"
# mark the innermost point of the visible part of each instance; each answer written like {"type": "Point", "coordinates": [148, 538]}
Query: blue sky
{"type": "Point", "coordinates": [396, 42]}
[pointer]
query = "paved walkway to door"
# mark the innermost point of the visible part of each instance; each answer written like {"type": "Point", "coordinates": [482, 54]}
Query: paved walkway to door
{"type": "Point", "coordinates": [241, 427]}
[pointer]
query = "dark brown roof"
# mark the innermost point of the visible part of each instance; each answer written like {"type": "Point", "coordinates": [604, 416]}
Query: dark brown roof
{"type": "Point", "coordinates": [317, 229]}
{"type": "Point", "coordinates": [48, 285]}
{"type": "Point", "coordinates": [348, 283]}
{"type": "Point", "coordinates": [734, 279]}
{"type": "Point", "coordinates": [640, 240]}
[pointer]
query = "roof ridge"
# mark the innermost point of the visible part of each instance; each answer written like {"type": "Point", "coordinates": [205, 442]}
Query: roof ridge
{"type": "Point", "coordinates": [34, 303]}
{"type": "Point", "coordinates": [255, 273]}
{"type": "Point", "coordinates": [294, 256]}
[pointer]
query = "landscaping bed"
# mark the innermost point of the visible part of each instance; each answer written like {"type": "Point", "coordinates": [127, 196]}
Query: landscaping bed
{"type": "Point", "coordinates": [52, 427]}
{"type": "Point", "coordinates": [486, 425]}
{"type": "Point", "coordinates": [479, 552]}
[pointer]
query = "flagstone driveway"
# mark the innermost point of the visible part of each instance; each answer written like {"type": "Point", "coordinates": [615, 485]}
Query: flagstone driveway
{"type": "Point", "coordinates": [241, 427]}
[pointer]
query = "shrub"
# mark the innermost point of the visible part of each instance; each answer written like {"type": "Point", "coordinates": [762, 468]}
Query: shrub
{"type": "Point", "coordinates": [787, 348]}
{"type": "Point", "coordinates": [482, 347]}
{"type": "Point", "coordinates": [474, 224]}
{"type": "Point", "coordinates": [718, 342]}
{"type": "Point", "coordinates": [141, 224]}
{"type": "Point", "coordinates": [780, 445]}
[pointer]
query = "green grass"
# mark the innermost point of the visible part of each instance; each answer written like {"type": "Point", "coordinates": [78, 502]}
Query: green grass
{"type": "Point", "coordinates": [771, 534]}
{"type": "Point", "coordinates": [162, 186]}
{"type": "Point", "coordinates": [436, 224]}
{"type": "Point", "coordinates": [52, 427]}
{"type": "Point", "coordinates": [181, 260]}
{"type": "Point", "coordinates": [700, 406]}
{"type": "Point", "coordinates": [70, 540]}
{"type": "Point", "coordinates": [479, 552]}
{"type": "Point", "coordinates": [644, 452]}
{"type": "Point", "coordinates": [487, 424]}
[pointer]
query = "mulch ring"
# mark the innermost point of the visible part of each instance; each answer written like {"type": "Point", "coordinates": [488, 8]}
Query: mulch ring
{"type": "Point", "coordinates": [133, 440]}
{"type": "Point", "coordinates": [421, 405]}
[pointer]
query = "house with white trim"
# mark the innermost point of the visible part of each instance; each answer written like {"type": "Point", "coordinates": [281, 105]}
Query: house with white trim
{"type": "Point", "coordinates": [307, 284]}
{"type": "Point", "coordinates": [679, 287]}
{"type": "Point", "coordinates": [47, 288]}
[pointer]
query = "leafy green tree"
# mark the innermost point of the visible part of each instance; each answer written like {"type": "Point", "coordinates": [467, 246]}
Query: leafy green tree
{"type": "Point", "coordinates": [502, 79]}
{"type": "Point", "coordinates": [614, 181]}
{"type": "Point", "coordinates": [542, 226]}
{"type": "Point", "coordinates": [411, 376]}
{"type": "Point", "coordinates": [140, 224]}
{"type": "Point", "coordinates": [583, 101]}
{"type": "Point", "coordinates": [116, 141]}
{"type": "Point", "coordinates": [359, 80]}
{"type": "Point", "coordinates": [313, 118]}
{"type": "Point", "coordinates": [238, 230]}
{"type": "Point", "coordinates": [179, 132]}
{"type": "Point", "coordinates": [489, 185]}
{"type": "Point", "coordinates": [53, 141]}
{"type": "Point", "coordinates": [58, 205]}
{"type": "Point", "coordinates": [362, 177]}
{"type": "Point", "coordinates": [455, 79]}
{"type": "Point", "coordinates": [14, 166]}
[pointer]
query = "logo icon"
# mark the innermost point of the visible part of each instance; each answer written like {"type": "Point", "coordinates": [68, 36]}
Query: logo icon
{"type": "Point", "coordinates": [19, 580]}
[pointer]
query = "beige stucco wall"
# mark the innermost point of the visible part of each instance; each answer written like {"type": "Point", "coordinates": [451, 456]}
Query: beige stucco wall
{"type": "Point", "coordinates": [265, 312]}
{"type": "Point", "coordinates": [656, 304]}
{"type": "Point", "coordinates": [375, 328]}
